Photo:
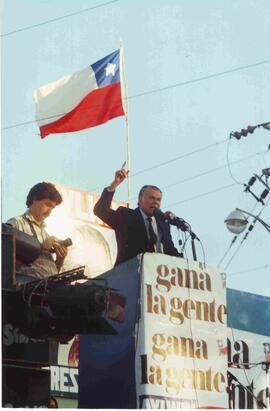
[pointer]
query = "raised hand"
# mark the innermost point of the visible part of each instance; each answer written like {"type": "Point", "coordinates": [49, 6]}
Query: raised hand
{"type": "Point", "coordinates": [120, 176]}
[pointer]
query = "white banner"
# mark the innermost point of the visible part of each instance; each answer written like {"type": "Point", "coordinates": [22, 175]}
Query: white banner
{"type": "Point", "coordinates": [248, 355]}
{"type": "Point", "coordinates": [181, 348]}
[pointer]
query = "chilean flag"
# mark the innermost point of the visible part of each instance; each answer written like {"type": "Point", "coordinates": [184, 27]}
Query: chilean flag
{"type": "Point", "coordinates": [81, 100]}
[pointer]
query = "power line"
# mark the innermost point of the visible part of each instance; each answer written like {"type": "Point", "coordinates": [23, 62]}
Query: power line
{"type": "Point", "coordinates": [201, 195]}
{"type": "Point", "coordinates": [179, 157]}
{"type": "Point", "coordinates": [188, 178]}
{"type": "Point", "coordinates": [229, 164]}
{"type": "Point", "coordinates": [18, 125]}
{"type": "Point", "coordinates": [250, 270]}
{"type": "Point", "coordinates": [57, 18]}
{"type": "Point", "coordinates": [185, 180]}
{"type": "Point", "coordinates": [184, 83]}
{"type": "Point", "coordinates": [210, 171]}
{"type": "Point", "coordinates": [169, 161]}
{"type": "Point", "coordinates": [235, 238]}
{"type": "Point", "coordinates": [161, 88]}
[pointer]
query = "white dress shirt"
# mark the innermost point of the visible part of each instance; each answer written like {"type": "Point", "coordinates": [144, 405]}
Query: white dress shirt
{"type": "Point", "coordinates": [158, 246]}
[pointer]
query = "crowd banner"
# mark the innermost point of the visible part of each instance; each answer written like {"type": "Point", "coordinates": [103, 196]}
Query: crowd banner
{"type": "Point", "coordinates": [171, 349]}
{"type": "Point", "coordinates": [181, 355]}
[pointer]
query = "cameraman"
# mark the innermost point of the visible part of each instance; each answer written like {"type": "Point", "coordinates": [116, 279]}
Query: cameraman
{"type": "Point", "coordinates": [41, 200]}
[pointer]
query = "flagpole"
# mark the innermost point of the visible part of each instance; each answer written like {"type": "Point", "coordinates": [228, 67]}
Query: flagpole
{"type": "Point", "coordinates": [127, 123]}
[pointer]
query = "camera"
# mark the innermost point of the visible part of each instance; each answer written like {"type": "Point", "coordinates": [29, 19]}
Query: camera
{"type": "Point", "coordinates": [66, 243]}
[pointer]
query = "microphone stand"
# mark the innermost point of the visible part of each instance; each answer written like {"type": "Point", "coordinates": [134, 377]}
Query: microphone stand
{"type": "Point", "coordinates": [182, 225]}
{"type": "Point", "coordinates": [232, 377]}
{"type": "Point", "coordinates": [193, 248]}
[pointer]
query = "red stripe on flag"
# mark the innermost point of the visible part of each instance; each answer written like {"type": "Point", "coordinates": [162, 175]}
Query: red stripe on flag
{"type": "Point", "coordinates": [98, 107]}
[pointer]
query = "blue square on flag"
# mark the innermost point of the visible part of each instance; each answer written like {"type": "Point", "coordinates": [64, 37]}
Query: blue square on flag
{"type": "Point", "coordinates": [107, 69]}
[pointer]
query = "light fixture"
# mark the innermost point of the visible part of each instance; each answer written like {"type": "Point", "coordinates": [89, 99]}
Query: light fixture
{"type": "Point", "coordinates": [265, 125]}
{"type": "Point", "coordinates": [236, 222]}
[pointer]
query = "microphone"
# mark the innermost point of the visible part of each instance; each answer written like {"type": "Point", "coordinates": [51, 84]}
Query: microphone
{"type": "Point", "coordinates": [177, 221]}
{"type": "Point", "coordinates": [172, 219]}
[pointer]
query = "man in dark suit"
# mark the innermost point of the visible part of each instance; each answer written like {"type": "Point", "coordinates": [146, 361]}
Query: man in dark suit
{"type": "Point", "coordinates": [139, 230]}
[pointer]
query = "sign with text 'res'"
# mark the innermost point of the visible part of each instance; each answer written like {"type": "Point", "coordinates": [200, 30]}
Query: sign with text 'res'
{"type": "Point", "coordinates": [181, 356]}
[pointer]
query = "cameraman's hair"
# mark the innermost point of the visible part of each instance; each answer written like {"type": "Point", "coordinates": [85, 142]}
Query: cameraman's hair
{"type": "Point", "coordinates": [144, 188]}
{"type": "Point", "coordinates": [41, 191]}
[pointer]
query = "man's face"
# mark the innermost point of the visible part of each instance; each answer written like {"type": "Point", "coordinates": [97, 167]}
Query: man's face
{"type": "Point", "coordinates": [150, 200]}
{"type": "Point", "coordinates": [41, 209]}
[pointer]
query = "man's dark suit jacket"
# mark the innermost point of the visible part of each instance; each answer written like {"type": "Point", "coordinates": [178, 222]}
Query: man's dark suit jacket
{"type": "Point", "coordinates": [130, 230]}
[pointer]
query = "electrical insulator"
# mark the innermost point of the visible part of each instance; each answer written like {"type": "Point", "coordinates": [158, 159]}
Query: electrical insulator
{"type": "Point", "coordinates": [237, 135]}
{"type": "Point", "coordinates": [250, 183]}
{"type": "Point", "coordinates": [244, 132]}
{"type": "Point", "coordinates": [264, 194]}
{"type": "Point", "coordinates": [251, 129]}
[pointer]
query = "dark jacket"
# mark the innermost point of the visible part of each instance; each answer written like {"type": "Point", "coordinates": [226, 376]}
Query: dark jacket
{"type": "Point", "coordinates": [130, 230]}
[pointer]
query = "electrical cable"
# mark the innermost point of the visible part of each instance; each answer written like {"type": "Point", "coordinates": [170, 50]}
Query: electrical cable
{"type": "Point", "coordinates": [212, 170]}
{"type": "Point", "coordinates": [201, 195]}
{"type": "Point", "coordinates": [184, 83]}
{"type": "Point", "coordinates": [203, 251]}
{"type": "Point", "coordinates": [235, 238]}
{"type": "Point", "coordinates": [195, 197]}
{"type": "Point", "coordinates": [163, 188]}
{"type": "Point", "coordinates": [228, 163]}
{"type": "Point", "coordinates": [160, 89]}
{"type": "Point", "coordinates": [250, 270]}
{"type": "Point", "coordinates": [180, 239]}
{"type": "Point", "coordinates": [185, 239]}
{"type": "Point", "coordinates": [57, 19]}
{"type": "Point", "coordinates": [204, 148]}
{"type": "Point", "coordinates": [226, 252]}
{"type": "Point", "coordinates": [240, 245]}
{"type": "Point", "coordinates": [167, 162]}
{"type": "Point", "coordinates": [33, 290]}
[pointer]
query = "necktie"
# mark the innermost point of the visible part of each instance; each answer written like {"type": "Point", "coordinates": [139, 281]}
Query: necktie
{"type": "Point", "coordinates": [152, 235]}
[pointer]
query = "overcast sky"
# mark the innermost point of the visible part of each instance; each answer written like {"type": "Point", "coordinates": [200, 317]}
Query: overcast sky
{"type": "Point", "coordinates": [207, 66]}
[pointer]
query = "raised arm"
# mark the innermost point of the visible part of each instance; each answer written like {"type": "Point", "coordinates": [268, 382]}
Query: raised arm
{"type": "Point", "coordinates": [102, 208]}
{"type": "Point", "coordinates": [120, 176]}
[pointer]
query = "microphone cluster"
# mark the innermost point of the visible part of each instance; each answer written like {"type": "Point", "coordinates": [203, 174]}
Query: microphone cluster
{"type": "Point", "coordinates": [172, 219]}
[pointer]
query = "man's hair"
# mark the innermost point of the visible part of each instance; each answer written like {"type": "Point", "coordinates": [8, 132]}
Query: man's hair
{"type": "Point", "coordinates": [41, 191]}
{"type": "Point", "coordinates": [144, 188]}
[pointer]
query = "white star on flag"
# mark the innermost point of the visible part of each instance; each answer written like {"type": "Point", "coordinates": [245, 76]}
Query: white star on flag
{"type": "Point", "coordinates": [110, 69]}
